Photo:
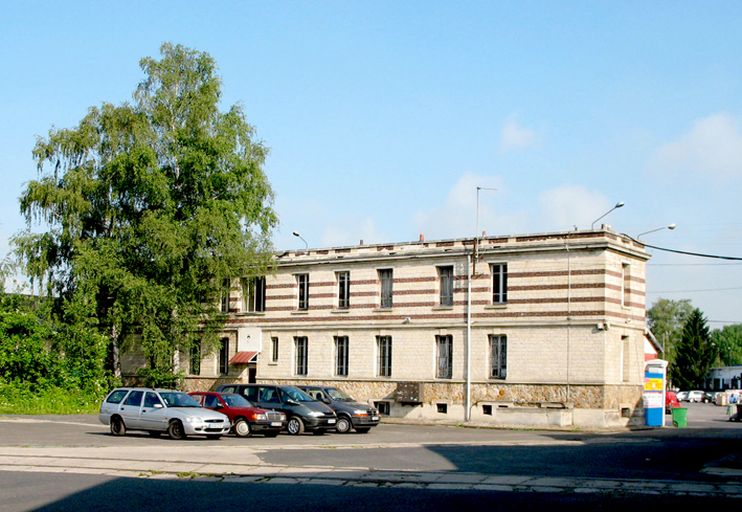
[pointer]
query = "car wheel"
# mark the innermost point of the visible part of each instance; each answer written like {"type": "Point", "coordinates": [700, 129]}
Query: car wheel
{"type": "Point", "coordinates": [343, 425]}
{"type": "Point", "coordinates": [175, 430]}
{"type": "Point", "coordinates": [363, 430]}
{"type": "Point", "coordinates": [118, 428]}
{"type": "Point", "coordinates": [295, 426]}
{"type": "Point", "coordinates": [242, 428]}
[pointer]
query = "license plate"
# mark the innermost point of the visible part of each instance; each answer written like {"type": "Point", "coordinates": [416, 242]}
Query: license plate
{"type": "Point", "coordinates": [330, 421]}
{"type": "Point", "coordinates": [374, 418]}
{"type": "Point", "coordinates": [275, 423]}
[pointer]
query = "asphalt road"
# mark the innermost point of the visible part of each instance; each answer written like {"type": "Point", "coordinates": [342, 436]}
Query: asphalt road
{"type": "Point", "coordinates": [72, 463]}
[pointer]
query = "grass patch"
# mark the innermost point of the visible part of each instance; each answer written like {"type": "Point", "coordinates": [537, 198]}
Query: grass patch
{"type": "Point", "coordinates": [53, 400]}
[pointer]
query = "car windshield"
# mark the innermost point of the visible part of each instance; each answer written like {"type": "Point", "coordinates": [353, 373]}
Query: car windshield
{"type": "Point", "coordinates": [234, 400]}
{"type": "Point", "coordinates": [297, 395]}
{"type": "Point", "coordinates": [339, 395]}
{"type": "Point", "coordinates": [178, 399]}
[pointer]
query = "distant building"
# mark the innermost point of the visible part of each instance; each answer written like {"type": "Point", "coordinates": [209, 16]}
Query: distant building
{"type": "Point", "coordinates": [539, 329]}
{"type": "Point", "coordinates": [725, 377]}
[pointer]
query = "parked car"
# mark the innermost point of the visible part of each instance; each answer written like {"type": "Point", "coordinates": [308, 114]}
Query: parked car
{"type": "Point", "coordinates": [671, 401]}
{"type": "Point", "coordinates": [303, 413]}
{"type": "Point", "coordinates": [160, 410]}
{"type": "Point", "coordinates": [351, 414]}
{"type": "Point", "coordinates": [682, 396]}
{"type": "Point", "coordinates": [246, 419]}
{"type": "Point", "coordinates": [695, 396]}
{"type": "Point", "coordinates": [709, 397]}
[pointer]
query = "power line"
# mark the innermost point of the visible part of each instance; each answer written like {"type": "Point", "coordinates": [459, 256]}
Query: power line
{"type": "Point", "coordinates": [687, 253]}
{"type": "Point", "coordinates": [693, 291]}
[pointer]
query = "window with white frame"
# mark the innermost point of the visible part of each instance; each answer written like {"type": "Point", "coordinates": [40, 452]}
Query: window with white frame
{"type": "Point", "coordinates": [343, 279]}
{"type": "Point", "coordinates": [445, 278]}
{"type": "Point", "coordinates": [499, 283]}
{"type": "Point", "coordinates": [274, 349]}
{"type": "Point", "coordinates": [444, 353]}
{"type": "Point", "coordinates": [301, 349]}
{"type": "Point", "coordinates": [253, 294]}
{"type": "Point", "coordinates": [224, 356]}
{"type": "Point", "coordinates": [302, 282]}
{"type": "Point", "coordinates": [224, 296]}
{"type": "Point", "coordinates": [384, 355]}
{"type": "Point", "coordinates": [386, 279]}
{"type": "Point", "coordinates": [498, 356]}
{"type": "Point", "coordinates": [341, 356]}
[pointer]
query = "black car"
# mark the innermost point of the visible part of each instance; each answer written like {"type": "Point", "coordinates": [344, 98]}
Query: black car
{"type": "Point", "coordinates": [351, 414]}
{"type": "Point", "coordinates": [303, 413]}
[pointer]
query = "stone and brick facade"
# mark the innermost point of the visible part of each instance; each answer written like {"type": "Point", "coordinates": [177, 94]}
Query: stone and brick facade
{"type": "Point", "coordinates": [556, 323]}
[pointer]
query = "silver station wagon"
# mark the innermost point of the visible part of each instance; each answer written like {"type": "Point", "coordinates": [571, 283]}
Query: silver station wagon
{"type": "Point", "coordinates": [160, 410]}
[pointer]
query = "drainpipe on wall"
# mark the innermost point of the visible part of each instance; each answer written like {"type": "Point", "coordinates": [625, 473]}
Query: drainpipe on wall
{"type": "Point", "coordinates": [467, 400]}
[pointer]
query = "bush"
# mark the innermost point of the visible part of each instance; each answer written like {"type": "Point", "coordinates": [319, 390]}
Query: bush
{"type": "Point", "coordinates": [20, 399]}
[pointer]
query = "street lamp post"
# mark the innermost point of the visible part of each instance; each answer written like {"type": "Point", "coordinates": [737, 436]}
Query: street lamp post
{"type": "Point", "coordinates": [618, 205]}
{"type": "Point", "coordinates": [669, 226]}
{"type": "Point", "coordinates": [296, 234]}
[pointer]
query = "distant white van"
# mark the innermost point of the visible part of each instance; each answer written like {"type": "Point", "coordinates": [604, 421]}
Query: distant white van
{"type": "Point", "coordinates": [695, 396]}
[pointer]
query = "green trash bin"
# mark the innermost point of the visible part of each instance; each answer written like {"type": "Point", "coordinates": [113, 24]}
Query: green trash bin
{"type": "Point", "coordinates": [680, 417]}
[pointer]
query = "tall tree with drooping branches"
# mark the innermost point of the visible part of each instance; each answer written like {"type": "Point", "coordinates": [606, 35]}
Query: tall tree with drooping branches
{"type": "Point", "coordinates": [147, 208]}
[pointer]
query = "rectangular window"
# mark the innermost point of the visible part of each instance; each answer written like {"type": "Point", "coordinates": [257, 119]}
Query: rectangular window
{"type": "Point", "coordinates": [253, 294]}
{"type": "Point", "coordinates": [498, 356]}
{"type": "Point", "coordinates": [386, 279]}
{"type": "Point", "coordinates": [625, 359]}
{"type": "Point", "coordinates": [383, 407]}
{"type": "Point", "coordinates": [343, 290]}
{"type": "Point", "coordinates": [301, 347]}
{"type": "Point", "coordinates": [196, 358]}
{"type": "Point", "coordinates": [445, 275]}
{"type": "Point", "coordinates": [625, 284]}
{"type": "Point", "coordinates": [224, 356]}
{"type": "Point", "coordinates": [302, 281]}
{"type": "Point", "coordinates": [341, 356]}
{"type": "Point", "coordinates": [274, 349]}
{"type": "Point", "coordinates": [225, 296]}
{"type": "Point", "coordinates": [384, 351]}
{"type": "Point", "coordinates": [499, 283]}
{"type": "Point", "coordinates": [444, 352]}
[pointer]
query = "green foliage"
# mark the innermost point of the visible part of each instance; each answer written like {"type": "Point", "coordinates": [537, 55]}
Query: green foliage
{"type": "Point", "coordinates": [695, 353]}
{"type": "Point", "coordinates": [22, 399]}
{"type": "Point", "coordinates": [148, 207]}
{"type": "Point", "coordinates": [666, 319]}
{"type": "Point", "coordinates": [728, 341]}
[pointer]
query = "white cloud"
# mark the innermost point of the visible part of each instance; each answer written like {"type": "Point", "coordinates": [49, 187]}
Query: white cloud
{"type": "Point", "coordinates": [572, 205]}
{"type": "Point", "coordinates": [366, 230]}
{"type": "Point", "coordinates": [712, 146]}
{"type": "Point", "coordinates": [513, 136]}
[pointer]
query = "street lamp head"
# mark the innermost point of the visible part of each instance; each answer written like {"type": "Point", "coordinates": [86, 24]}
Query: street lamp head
{"type": "Point", "coordinates": [618, 205]}
{"type": "Point", "coordinates": [671, 226]}
{"type": "Point", "coordinates": [295, 233]}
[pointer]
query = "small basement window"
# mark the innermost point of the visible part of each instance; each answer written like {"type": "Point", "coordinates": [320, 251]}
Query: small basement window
{"type": "Point", "coordinates": [383, 407]}
{"type": "Point", "coordinates": [442, 408]}
{"type": "Point", "coordinates": [487, 410]}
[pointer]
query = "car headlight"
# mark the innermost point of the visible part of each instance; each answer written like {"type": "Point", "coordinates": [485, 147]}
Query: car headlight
{"type": "Point", "coordinates": [360, 412]}
{"type": "Point", "coordinates": [192, 419]}
{"type": "Point", "coordinates": [260, 417]}
{"type": "Point", "coordinates": [316, 414]}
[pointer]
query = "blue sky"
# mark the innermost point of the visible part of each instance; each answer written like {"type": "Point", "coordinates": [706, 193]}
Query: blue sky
{"type": "Point", "coordinates": [382, 118]}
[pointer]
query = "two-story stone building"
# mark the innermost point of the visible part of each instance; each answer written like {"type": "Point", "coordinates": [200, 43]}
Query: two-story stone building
{"type": "Point", "coordinates": [540, 329]}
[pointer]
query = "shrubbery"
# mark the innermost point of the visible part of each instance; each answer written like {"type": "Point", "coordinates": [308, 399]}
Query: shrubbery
{"type": "Point", "coordinates": [47, 367]}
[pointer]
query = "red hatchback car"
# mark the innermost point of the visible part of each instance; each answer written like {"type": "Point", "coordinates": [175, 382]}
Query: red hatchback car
{"type": "Point", "coordinates": [671, 401]}
{"type": "Point", "coordinates": [246, 419]}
